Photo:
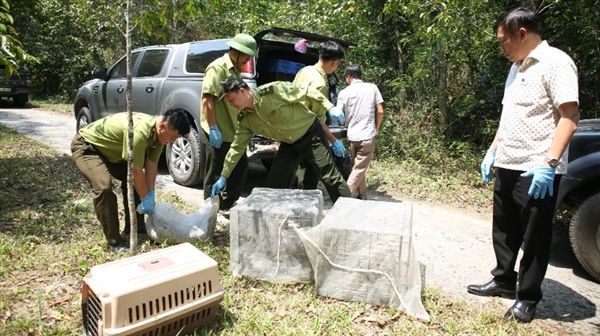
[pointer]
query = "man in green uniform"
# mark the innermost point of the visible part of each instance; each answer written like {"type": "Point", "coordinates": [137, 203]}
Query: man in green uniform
{"type": "Point", "coordinates": [276, 111]}
{"type": "Point", "coordinates": [219, 120]}
{"type": "Point", "coordinates": [100, 150]}
{"type": "Point", "coordinates": [330, 55]}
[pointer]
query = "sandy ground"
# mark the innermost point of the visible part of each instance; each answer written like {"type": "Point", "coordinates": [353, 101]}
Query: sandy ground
{"type": "Point", "coordinates": [455, 247]}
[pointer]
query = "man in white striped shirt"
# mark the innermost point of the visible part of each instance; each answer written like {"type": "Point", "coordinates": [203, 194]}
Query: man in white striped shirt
{"type": "Point", "coordinates": [363, 105]}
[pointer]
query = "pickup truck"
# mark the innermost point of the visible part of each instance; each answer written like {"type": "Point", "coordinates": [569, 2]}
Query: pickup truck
{"type": "Point", "coordinates": [16, 87]}
{"type": "Point", "coordinates": [170, 76]}
{"type": "Point", "coordinates": [579, 192]}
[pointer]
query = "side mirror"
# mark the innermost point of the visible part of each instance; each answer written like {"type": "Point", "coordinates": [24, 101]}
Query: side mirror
{"type": "Point", "coordinates": [99, 73]}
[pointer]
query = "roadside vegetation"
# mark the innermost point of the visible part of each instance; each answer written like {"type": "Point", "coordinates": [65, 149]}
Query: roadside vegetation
{"type": "Point", "coordinates": [49, 239]}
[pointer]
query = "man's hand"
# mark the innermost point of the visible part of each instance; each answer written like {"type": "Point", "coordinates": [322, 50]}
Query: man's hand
{"type": "Point", "coordinates": [543, 180]}
{"type": "Point", "coordinates": [338, 148]}
{"type": "Point", "coordinates": [486, 166]}
{"type": "Point", "coordinates": [216, 140]}
{"type": "Point", "coordinates": [148, 204]}
{"type": "Point", "coordinates": [336, 115]}
{"type": "Point", "coordinates": [218, 187]}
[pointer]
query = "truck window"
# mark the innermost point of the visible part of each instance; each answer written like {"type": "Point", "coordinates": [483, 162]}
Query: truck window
{"type": "Point", "coordinates": [152, 62]}
{"type": "Point", "coordinates": [201, 54]}
{"type": "Point", "coordinates": [119, 70]}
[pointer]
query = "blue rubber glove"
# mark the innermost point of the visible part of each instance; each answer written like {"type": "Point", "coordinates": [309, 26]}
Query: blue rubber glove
{"type": "Point", "coordinates": [216, 140]}
{"type": "Point", "coordinates": [336, 115]}
{"type": "Point", "coordinates": [148, 204]}
{"type": "Point", "coordinates": [218, 187]}
{"type": "Point", "coordinates": [338, 148]}
{"type": "Point", "coordinates": [543, 180]}
{"type": "Point", "coordinates": [486, 166]}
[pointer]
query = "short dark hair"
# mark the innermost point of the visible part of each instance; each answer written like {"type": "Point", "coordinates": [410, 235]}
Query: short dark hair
{"type": "Point", "coordinates": [354, 71]}
{"type": "Point", "coordinates": [518, 18]}
{"type": "Point", "coordinates": [331, 50]}
{"type": "Point", "coordinates": [177, 119]}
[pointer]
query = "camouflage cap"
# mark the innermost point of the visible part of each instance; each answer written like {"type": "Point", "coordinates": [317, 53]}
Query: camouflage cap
{"type": "Point", "coordinates": [229, 84]}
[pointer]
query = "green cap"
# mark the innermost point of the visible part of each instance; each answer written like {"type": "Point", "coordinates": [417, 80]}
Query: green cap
{"type": "Point", "coordinates": [229, 84]}
{"type": "Point", "coordinates": [244, 43]}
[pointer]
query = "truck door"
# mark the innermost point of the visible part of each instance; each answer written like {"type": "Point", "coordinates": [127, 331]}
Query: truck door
{"type": "Point", "coordinates": [148, 77]}
{"type": "Point", "coordinates": [116, 100]}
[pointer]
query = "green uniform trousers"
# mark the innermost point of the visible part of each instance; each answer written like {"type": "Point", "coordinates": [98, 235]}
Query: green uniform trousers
{"type": "Point", "coordinates": [313, 149]}
{"type": "Point", "coordinates": [98, 171]}
{"type": "Point", "coordinates": [215, 157]}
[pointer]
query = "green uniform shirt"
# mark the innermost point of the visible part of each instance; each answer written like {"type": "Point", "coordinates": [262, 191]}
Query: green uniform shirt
{"type": "Point", "coordinates": [280, 114]}
{"type": "Point", "coordinates": [225, 115]}
{"type": "Point", "coordinates": [110, 136]}
{"type": "Point", "coordinates": [316, 77]}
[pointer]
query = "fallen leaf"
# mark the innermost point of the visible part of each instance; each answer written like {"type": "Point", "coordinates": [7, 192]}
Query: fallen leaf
{"type": "Point", "coordinates": [310, 309]}
{"type": "Point", "coordinates": [367, 318]}
{"type": "Point", "coordinates": [355, 315]}
{"type": "Point", "coordinates": [51, 313]}
{"type": "Point", "coordinates": [63, 300]}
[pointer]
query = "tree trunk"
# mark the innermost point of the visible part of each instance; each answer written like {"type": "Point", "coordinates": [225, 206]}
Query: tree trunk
{"type": "Point", "coordinates": [443, 87]}
{"type": "Point", "coordinates": [133, 238]}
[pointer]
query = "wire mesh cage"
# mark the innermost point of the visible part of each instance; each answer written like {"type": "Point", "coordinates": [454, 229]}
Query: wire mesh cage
{"type": "Point", "coordinates": [172, 291]}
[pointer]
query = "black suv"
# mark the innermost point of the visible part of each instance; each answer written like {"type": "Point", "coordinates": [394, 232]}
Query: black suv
{"type": "Point", "coordinates": [16, 87]}
{"type": "Point", "coordinates": [580, 192]}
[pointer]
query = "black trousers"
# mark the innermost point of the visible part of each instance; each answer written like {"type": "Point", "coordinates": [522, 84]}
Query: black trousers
{"type": "Point", "coordinates": [305, 177]}
{"type": "Point", "coordinates": [215, 157]}
{"type": "Point", "coordinates": [521, 220]}
{"type": "Point", "coordinates": [313, 149]}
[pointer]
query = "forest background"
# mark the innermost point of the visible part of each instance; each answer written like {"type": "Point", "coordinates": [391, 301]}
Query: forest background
{"type": "Point", "coordinates": [436, 62]}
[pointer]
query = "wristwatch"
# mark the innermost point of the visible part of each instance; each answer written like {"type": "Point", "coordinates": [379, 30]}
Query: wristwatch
{"type": "Point", "coordinates": [552, 162]}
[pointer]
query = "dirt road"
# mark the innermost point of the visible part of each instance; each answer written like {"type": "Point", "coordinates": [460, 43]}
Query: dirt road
{"type": "Point", "coordinates": [455, 247]}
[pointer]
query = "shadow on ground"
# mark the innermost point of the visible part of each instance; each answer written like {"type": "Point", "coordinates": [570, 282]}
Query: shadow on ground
{"type": "Point", "coordinates": [257, 176]}
{"type": "Point", "coordinates": [574, 307]}
{"type": "Point", "coordinates": [35, 194]}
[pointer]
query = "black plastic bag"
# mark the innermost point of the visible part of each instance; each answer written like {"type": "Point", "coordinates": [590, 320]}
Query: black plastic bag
{"type": "Point", "coordinates": [344, 165]}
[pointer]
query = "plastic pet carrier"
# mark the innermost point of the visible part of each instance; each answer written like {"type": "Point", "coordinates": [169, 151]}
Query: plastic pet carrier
{"type": "Point", "coordinates": [172, 291]}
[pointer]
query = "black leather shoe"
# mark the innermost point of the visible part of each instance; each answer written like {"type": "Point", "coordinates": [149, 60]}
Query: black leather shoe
{"type": "Point", "coordinates": [121, 247]}
{"type": "Point", "coordinates": [521, 311]}
{"type": "Point", "coordinates": [492, 288]}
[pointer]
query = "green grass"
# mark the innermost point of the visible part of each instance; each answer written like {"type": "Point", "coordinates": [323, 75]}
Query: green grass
{"type": "Point", "coordinates": [52, 104]}
{"type": "Point", "coordinates": [410, 180]}
{"type": "Point", "coordinates": [50, 238]}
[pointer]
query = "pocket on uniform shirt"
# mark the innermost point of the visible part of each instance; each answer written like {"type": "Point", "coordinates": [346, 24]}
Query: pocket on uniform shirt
{"type": "Point", "coordinates": [526, 93]}
{"type": "Point", "coordinates": [276, 116]}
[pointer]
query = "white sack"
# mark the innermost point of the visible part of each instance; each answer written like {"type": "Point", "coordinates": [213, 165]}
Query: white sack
{"type": "Point", "coordinates": [174, 227]}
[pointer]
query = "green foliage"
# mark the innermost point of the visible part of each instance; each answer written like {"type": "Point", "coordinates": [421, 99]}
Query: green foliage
{"type": "Point", "coordinates": [437, 62]}
{"type": "Point", "coordinates": [12, 54]}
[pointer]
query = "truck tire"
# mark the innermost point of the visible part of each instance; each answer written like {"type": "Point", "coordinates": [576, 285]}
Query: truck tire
{"type": "Point", "coordinates": [21, 99]}
{"type": "Point", "coordinates": [83, 118]}
{"type": "Point", "coordinates": [584, 233]}
{"type": "Point", "coordinates": [186, 160]}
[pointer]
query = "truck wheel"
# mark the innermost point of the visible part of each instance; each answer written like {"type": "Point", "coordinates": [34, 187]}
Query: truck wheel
{"type": "Point", "coordinates": [584, 233]}
{"type": "Point", "coordinates": [83, 118]}
{"type": "Point", "coordinates": [21, 99]}
{"type": "Point", "coordinates": [185, 160]}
